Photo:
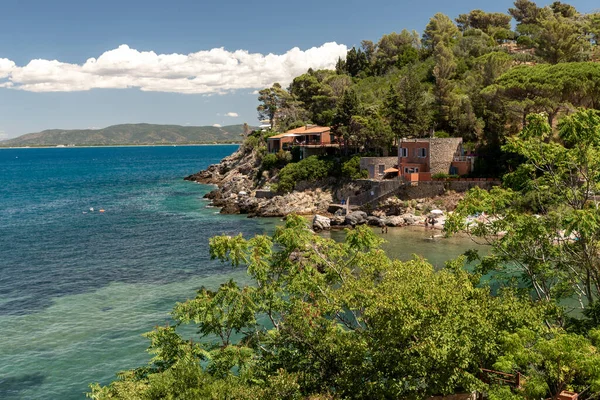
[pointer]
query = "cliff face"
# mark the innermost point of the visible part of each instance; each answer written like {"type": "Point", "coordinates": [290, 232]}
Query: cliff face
{"type": "Point", "coordinates": [240, 189]}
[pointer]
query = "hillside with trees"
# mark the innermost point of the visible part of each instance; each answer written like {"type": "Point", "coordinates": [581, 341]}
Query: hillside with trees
{"type": "Point", "coordinates": [132, 134]}
{"type": "Point", "coordinates": [471, 77]}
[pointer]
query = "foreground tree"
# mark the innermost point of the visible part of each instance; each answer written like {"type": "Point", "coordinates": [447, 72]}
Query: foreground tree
{"type": "Point", "coordinates": [336, 319]}
{"type": "Point", "coordinates": [544, 225]}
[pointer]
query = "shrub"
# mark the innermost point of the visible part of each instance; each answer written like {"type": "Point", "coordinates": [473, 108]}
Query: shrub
{"type": "Point", "coordinates": [309, 169]}
{"type": "Point", "coordinates": [351, 169]}
{"type": "Point", "coordinates": [440, 175]}
{"type": "Point", "coordinates": [441, 134]}
{"type": "Point", "coordinates": [283, 157]}
{"type": "Point", "coordinates": [269, 162]}
{"type": "Point", "coordinates": [275, 160]}
{"type": "Point", "coordinates": [251, 142]}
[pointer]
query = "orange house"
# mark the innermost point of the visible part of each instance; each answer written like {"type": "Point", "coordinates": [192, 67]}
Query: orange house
{"type": "Point", "coordinates": [419, 159]}
{"type": "Point", "coordinates": [308, 137]}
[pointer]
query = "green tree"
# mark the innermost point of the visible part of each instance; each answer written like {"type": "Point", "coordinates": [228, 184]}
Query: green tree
{"type": "Point", "coordinates": [356, 62]}
{"type": "Point", "coordinates": [560, 39]}
{"type": "Point", "coordinates": [396, 50]}
{"type": "Point", "coordinates": [525, 12]}
{"type": "Point", "coordinates": [549, 88]}
{"type": "Point", "coordinates": [271, 100]}
{"type": "Point", "coordinates": [342, 320]}
{"type": "Point", "coordinates": [552, 361]}
{"type": "Point", "coordinates": [443, 72]}
{"type": "Point", "coordinates": [496, 25]}
{"type": "Point", "coordinates": [440, 30]}
{"type": "Point", "coordinates": [555, 250]}
{"type": "Point", "coordinates": [409, 107]}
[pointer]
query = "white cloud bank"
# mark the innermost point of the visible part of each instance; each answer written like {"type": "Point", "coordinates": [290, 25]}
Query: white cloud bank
{"type": "Point", "coordinates": [215, 71]}
{"type": "Point", "coordinates": [232, 114]}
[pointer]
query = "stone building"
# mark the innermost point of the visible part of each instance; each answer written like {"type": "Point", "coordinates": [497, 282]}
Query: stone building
{"type": "Point", "coordinates": [378, 167]}
{"type": "Point", "coordinates": [419, 159]}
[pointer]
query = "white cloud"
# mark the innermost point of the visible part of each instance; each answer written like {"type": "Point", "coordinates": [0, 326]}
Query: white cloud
{"type": "Point", "coordinates": [206, 72]}
{"type": "Point", "coordinates": [232, 114]}
{"type": "Point", "coordinates": [217, 125]}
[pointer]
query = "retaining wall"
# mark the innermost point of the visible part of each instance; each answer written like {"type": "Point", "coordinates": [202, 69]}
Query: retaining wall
{"type": "Point", "coordinates": [380, 190]}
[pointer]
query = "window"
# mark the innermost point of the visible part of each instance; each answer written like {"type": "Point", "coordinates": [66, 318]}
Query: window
{"type": "Point", "coordinates": [404, 152]}
{"type": "Point", "coordinates": [381, 169]}
{"type": "Point", "coordinates": [422, 152]}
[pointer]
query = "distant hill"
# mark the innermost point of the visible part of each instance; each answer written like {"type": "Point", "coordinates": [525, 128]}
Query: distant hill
{"type": "Point", "coordinates": [132, 134]}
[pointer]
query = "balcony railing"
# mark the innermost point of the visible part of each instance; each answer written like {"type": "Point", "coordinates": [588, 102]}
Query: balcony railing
{"type": "Point", "coordinates": [464, 158]}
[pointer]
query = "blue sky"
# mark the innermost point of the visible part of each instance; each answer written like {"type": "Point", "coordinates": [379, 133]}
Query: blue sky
{"type": "Point", "coordinates": [199, 90]}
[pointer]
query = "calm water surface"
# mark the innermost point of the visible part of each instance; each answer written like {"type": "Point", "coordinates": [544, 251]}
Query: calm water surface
{"type": "Point", "coordinates": [78, 288]}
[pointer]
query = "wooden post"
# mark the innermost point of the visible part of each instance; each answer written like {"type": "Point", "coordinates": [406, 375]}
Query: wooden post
{"type": "Point", "coordinates": [518, 380]}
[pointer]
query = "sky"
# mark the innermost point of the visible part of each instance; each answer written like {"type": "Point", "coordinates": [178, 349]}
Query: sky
{"type": "Point", "coordinates": [75, 64]}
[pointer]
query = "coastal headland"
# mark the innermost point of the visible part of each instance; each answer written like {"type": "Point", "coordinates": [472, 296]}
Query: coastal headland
{"type": "Point", "coordinates": [243, 187]}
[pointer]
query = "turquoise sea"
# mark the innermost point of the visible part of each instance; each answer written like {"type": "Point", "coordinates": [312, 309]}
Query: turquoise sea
{"type": "Point", "coordinates": [79, 287]}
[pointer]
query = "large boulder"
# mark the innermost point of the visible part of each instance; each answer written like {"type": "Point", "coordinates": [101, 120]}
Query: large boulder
{"type": "Point", "coordinates": [337, 220]}
{"type": "Point", "coordinates": [410, 219]}
{"type": "Point", "coordinates": [321, 223]}
{"type": "Point", "coordinates": [394, 221]}
{"type": "Point", "coordinates": [336, 209]}
{"type": "Point", "coordinates": [356, 218]}
{"type": "Point", "coordinates": [375, 221]}
{"type": "Point", "coordinates": [248, 205]}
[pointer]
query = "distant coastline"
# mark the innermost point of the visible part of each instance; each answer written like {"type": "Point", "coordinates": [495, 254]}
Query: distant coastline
{"type": "Point", "coordinates": [120, 145]}
{"type": "Point", "coordinates": [141, 134]}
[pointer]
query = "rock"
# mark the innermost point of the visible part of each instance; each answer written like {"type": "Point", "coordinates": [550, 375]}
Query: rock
{"type": "Point", "coordinates": [248, 205]}
{"type": "Point", "coordinates": [337, 220]}
{"type": "Point", "coordinates": [356, 218]}
{"type": "Point", "coordinates": [378, 213]}
{"type": "Point", "coordinates": [394, 221]}
{"type": "Point", "coordinates": [375, 221]}
{"type": "Point", "coordinates": [409, 219]}
{"type": "Point", "coordinates": [230, 208]}
{"type": "Point", "coordinates": [321, 223]}
{"type": "Point", "coordinates": [335, 208]}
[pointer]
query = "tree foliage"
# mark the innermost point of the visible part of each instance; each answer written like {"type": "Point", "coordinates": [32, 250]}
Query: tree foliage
{"type": "Point", "coordinates": [336, 319]}
{"type": "Point", "coordinates": [544, 225]}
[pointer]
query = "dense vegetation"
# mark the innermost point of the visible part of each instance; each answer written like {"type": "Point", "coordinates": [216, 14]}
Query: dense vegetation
{"type": "Point", "coordinates": [327, 320]}
{"type": "Point", "coordinates": [342, 320]}
{"type": "Point", "coordinates": [132, 134]}
{"type": "Point", "coordinates": [473, 77]}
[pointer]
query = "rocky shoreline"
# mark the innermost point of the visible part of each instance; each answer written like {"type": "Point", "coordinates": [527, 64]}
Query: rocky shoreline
{"type": "Point", "coordinates": [243, 189]}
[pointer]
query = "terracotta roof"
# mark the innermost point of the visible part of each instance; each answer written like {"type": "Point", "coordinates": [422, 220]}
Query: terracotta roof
{"type": "Point", "coordinates": [304, 130]}
{"type": "Point", "coordinates": [277, 136]}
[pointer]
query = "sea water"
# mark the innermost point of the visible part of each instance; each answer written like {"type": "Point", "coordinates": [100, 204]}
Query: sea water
{"type": "Point", "coordinates": [79, 286]}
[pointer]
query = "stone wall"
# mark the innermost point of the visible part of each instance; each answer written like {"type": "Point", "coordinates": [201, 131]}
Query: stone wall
{"type": "Point", "coordinates": [420, 190]}
{"type": "Point", "coordinates": [373, 190]}
{"type": "Point", "coordinates": [441, 154]}
{"type": "Point", "coordinates": [371, 164]}
{"type": "Point", "coordinates": [377, 191]}
{"type": "Point", "coordinates": [264, 194]}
